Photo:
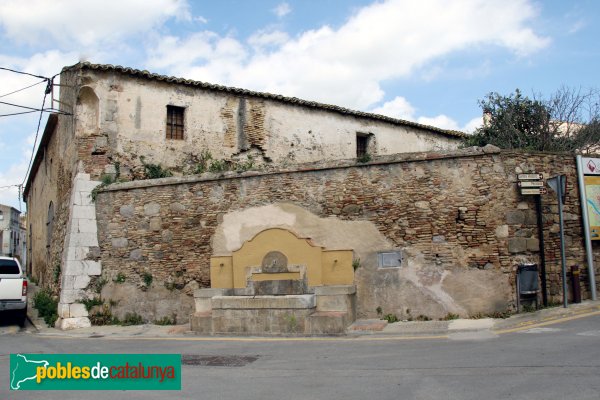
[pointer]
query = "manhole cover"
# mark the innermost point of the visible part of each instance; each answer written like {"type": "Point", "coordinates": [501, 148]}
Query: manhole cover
{"type": "Point", "coordinates": [217, 361]}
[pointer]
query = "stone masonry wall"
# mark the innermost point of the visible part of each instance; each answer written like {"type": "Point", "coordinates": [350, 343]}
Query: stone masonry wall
{"type": "Point", "coordinates": [457, 217]}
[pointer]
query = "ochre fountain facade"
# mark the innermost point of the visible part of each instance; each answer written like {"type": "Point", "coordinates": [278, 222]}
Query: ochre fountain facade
{"type": "Point", "coordinates": [278, 283]}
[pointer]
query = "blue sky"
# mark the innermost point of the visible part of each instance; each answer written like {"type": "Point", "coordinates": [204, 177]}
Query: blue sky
{"type": "Point", "coordinates": [428, 61]}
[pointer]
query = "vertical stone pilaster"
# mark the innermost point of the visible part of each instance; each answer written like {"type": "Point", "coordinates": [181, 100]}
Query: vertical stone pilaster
{"type": "Point", "coordinates": [82, 234]}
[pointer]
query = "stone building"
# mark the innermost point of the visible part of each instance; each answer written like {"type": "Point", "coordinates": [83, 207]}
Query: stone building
{"type": "Point", "coordinates": [128, 125]}
{"type": "Point", "coordinates": [11, 232]}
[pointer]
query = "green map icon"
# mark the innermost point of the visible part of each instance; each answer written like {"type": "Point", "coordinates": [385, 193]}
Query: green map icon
{"type": "Point", "coordinates": [23, 369]}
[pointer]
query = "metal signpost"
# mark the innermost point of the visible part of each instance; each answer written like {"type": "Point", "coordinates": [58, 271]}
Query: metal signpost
{"type": "Point", "coordinates": [559, 185]}
{"type": "Point", "coordinates": [533, 184]}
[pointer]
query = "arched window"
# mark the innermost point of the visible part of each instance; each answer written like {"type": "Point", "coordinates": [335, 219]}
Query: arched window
{"type": "Point", "coordinates": [49, 224]}
{"type": "Point", "coordinates": [1, 216]}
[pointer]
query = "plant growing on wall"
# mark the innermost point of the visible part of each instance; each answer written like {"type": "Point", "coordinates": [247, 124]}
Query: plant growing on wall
{"type": "Point", "coordinates": [154, 171]}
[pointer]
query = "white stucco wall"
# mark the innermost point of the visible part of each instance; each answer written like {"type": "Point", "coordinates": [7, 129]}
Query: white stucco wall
{"type": "Point", "coordinates": [132, 113]}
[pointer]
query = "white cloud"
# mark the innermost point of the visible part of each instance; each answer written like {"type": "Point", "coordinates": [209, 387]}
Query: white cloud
{"type": "Point", "coordinates": [282, 10]}
{"type": "Point", "coordinates": [399, 107]}
{"type": "Point", "coordinates": [13, 175]}
{"type": "Point", "coordinates": [440, 121]}
{"type": "Point", "coordinates": [45, 64]}
{"type": "Point", "coordinates": [85, 22]}
{"type": "Point", "coordinates": [347, 65]}
{"type": "Point", "coordinates": [473, 124]}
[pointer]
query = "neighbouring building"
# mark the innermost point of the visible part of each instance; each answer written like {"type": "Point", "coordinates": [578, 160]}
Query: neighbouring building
{"type": "Point", "coordinates": [373, 214]}
{"type": "Point", "coordinates": [11, 232]}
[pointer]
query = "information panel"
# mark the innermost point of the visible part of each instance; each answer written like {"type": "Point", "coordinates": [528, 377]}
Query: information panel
{"type": "Point", "coordinates": [592, 192]}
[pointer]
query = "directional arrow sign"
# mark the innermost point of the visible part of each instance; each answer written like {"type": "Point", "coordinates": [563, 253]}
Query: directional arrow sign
{"type": "Point", "coordinates": [538, 190]}
{"type": "Point", "coordinates": [524, 184]}
{"type": "Point", "coordinates": [530, 177]}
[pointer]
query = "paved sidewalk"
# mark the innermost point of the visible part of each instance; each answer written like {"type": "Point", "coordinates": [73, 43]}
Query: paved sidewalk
{"type": "Point", "coordinates": [459, 329]}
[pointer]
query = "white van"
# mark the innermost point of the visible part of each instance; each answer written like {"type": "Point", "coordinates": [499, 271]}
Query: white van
{"type": "Point", "coordinates": [13, 290]}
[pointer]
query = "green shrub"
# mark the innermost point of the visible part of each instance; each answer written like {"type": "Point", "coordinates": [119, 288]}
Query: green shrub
{"type": "Point", "coordinates": [218, 166]}
{"type": "Point", "coordinates": [390, 318]}
{"type": "Point", "coordinates": [166, 321]}
{"type": "Point", "coordinates": [120, 278]}
{"type": "Point", "coordinates": [365, 158]}
{"type": "Point", "coordinates": [356, 263]}
{"type": "Point", "coordinates": [147, 278]}
{"type": "Point", "coordinates": [132, 319]}
{"type": "Point", "coordinates": [155, 171]}
{"type": "Point", "coordinates": [450, 316]}
{"type": "Point", "coordinates": [90, 303]}
{"type": "Point", "coordinates": [46, 305]}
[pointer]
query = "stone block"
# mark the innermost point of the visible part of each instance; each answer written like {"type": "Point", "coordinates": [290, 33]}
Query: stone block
{"type": "Point", "coordinates": [63, 310]}
{"type": "Point", "coordinates": [203, 304]}
{"type": "Point", "coordinates": [335, 290]}
{"type": "Point", "coordinates": [127, 211]}
{"type": "Point", "coordinates": [279, 287]}
{"type": "Point", "coordinates": [76, 253]}
{"type": "Point", "coordinates": [83, 239]}
{"type": "Point", "coordinates": [70, 295]}
{"type": "Point", "coordinates": [77, 310]}
{"type": "Point", "coordinates": [517, 245]}
{"type": "Point", "coordinates": [201, 323]}
{"type": "Point", "coordinates": [86, 186]}
{"type": "Point", "coordinates": [502, 231]}
{"type": "Point", "coordinates": [68, 282]}
{"type": "Point", "coordinates": [209, 292]}
{"type": "Point", "coordinates": [85, 199]}
{"type": "Point", "coordinates": [438, 239]}
{"type": "Point", "coordinates": [533, 244]}
{"type": "Point", "coordinates": [177, 207]}
{"type": "Point", "coordinates": [81, 282]}
{"type": "Point", "coordinates": [155, 224]}
{"type": "Point", "coordinates": [530, 217]}
{"type": "Point", "coordinates": [84, 212]}
{"type": "Point", "coordinates": [304, 301]}
{"type": "Point", "coordinates": [340, 303]}
{"type": "Point", "coordinates": [523, 206]}
{"type": "Point", "coordinates": [515, 218]}
{"type": "Point", "coordinates": [135, 255]}
{"type": "Point", "coordinates": [524, 233]}
{"type": "Point", "coordinates": [151, 209]}
{"type": "Point", "coordinates": [423, 205]}
{"type": "Point", "coordinates": [91, 267]}
{"type": "Point", "coordinates": [73, 323]}
{"type": "Point", "coordinates": [327, 323]}
{"type": "Point", "coordinates": [73, 267]}
{"type": "Point", "coordinates": [119, 242]}
{"type": "Point", "coordinates": [167, 236]}
{"type": "Point", "coordinates": [87, 226]}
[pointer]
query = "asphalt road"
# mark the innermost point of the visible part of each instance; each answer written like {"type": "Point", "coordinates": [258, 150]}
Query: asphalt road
{"type": "Point", "coordinates": [561, 361]}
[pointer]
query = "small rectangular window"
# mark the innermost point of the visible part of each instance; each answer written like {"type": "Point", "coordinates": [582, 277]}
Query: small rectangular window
{"type": "Point", "coordinates": [362, 143]}
{"type": "Point", "coordinates": [175, 122]}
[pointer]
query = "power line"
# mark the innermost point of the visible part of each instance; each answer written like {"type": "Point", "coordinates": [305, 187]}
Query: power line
{"type": "Point", "coordinates": [20, 90]}
{"type": "Point", "coordinates": [25, 107]}
{"type": "Point", "coordinates": [23, 73]}
{"type": "Point", "coordinates": [18, 113]}
{"type": "Point", "coordinates": [37, 132]}
{"type": "Point", "coordinates": [9, 186]}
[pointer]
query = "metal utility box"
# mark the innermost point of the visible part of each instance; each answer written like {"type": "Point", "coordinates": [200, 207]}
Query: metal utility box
{"type": "Point", "coordinates": [528, 285]}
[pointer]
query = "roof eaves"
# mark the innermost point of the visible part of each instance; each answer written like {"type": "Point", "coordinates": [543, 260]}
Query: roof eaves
{"type": "Point", "coordinates": [284, 99]}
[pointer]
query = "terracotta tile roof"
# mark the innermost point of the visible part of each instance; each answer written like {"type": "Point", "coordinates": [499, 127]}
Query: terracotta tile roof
{"type": "Point", "coordinates": [275, 97]}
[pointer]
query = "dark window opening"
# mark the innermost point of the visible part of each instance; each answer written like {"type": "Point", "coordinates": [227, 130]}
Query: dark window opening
{"type": "Point", "coordinates": [362, 143]}
{"type": "Point", "coordinates": [175, 122]}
